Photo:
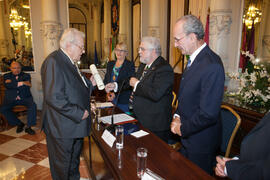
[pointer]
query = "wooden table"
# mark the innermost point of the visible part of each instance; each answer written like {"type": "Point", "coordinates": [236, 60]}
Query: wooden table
{"type": "Point", "coordinates": [161, 159]}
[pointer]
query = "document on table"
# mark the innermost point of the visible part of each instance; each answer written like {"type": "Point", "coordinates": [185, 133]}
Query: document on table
{"type": "Point", "coordinates": [118, 118]}
{"type": "Point", "coordinates": [139, 133]}
{"type": "Point", "coordinates": [104, 104]}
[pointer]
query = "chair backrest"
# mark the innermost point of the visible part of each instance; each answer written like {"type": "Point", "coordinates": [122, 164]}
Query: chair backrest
{"type": "Point", "coordinates": [230, 124]}
{"type": "Point", "coordinates": [174, 101]}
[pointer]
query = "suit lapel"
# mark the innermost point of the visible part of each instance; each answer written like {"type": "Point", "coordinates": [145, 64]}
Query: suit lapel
{"type": "Point", "coordinates": [152, 68]}
{"type": "Point", "coordinates": [73, 69]}
{"type": "Point", "coordinates": [195, 66]}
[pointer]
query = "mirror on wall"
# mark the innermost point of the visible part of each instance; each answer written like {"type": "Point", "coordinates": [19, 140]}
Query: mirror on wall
{"type": "Point", "coordinates": [20, 36]}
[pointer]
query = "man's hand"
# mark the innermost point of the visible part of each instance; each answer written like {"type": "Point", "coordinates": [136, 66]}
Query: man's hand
{"type": "Point", "coordinates": [221, 166]}
{"type": "Point", "coordinates": [8, 81]}
{"type": "Point", "coordinates": [93, 81]}
{"type": "Point", "coordinates": [109, 87]}
{"type": "Point", "coordinates": [133, 81]}
{"type": "Point", "coordinates": [175, 126]}
{"type": "Point", "coordinates": [21, 83]}
{"type": "Point", "coordinates": [85, 114]}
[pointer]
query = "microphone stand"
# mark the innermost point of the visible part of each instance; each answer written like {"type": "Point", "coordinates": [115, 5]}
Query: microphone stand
{"type": "Point", "coordinates": [111, 127]}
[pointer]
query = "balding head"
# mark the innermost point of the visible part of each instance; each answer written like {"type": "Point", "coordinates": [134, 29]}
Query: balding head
{"type": "Point", "coordinates": [15, 68]}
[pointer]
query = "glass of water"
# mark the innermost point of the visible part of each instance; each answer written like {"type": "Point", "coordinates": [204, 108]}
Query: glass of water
{"type": "Point", "coordinates": [141, 161]}
{"type": "Point", "coordinates": [119, 134]}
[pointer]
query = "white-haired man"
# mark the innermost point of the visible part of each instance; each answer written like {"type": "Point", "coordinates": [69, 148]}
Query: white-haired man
{"type": "Point", "coordinates": [66, 106]}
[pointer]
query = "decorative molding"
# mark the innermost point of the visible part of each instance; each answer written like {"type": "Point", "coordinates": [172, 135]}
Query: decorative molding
{"type": "Point", "coordinates": [4, 43]}
{"type": "Point", "coordinates": [153, 31]}
{"type": "Point", "coordinates": [266, 42]}
{"type": "Point", "coordinates": [220, 23]}
{"type": "Point", "coordinates": [51, 31]}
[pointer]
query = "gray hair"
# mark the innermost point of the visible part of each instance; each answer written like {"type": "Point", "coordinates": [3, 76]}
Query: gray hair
{"type": "Point", "coordinates": [153, 42]}
{"type": "Point", "coordinates": [70, 35]}
{"type": "Point", "coordinates": [192, 25]}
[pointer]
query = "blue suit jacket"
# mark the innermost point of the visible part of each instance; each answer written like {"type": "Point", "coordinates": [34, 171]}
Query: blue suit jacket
{"type": "Point", "coordinates": [200, 96]}
{"type": "Point", "coordinates": [254, 159]}
{"type": "Point", "coordinates": [127, 70]}
{"type": "Point", "coordinates": [12, 89]}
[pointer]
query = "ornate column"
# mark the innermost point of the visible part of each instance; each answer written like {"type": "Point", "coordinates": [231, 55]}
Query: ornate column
{"type": "Point", "coordinates": [3, 41]}
{"type": "Point", "coordinates": [50, 26]}
{"type": "Point", "coordinates": [220, 26]}
{"type": "Point", "coordinates": [107, 28]}
{"type": "Point", "coordinates": [154, 19]}
{"type": "Point", "coordinates": [266, 36]}
{"type": "Point", "coordinates": [97, 26]}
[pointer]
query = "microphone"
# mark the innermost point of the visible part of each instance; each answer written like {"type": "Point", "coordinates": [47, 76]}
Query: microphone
{"type": "Point", "coordinates": [111, 127]}
{"type": "Point", "coordinates": [97, 77]}
{"type": "Point", "coordinates": [180, 59]}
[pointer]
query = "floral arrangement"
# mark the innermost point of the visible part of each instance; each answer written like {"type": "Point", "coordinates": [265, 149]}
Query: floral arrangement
{"type": "Point", "coordinates": [255, 83]}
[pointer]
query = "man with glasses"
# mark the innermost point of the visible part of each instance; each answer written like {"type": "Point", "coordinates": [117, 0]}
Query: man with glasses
{"type": "Point", "coordinates": [66, 105]}
{"type": "Point", "coordinates": [152, 89]}
{"type": "Point", "coordinates": [197, 118]}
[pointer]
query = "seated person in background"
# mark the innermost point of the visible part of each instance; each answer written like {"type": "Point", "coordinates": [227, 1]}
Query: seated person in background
{"type": "Point", "coordinates": [254, 159]}
{"type": "Point", "coordinates": [117, 73]}
{"type": "Point", "coordinates": [17, 92]}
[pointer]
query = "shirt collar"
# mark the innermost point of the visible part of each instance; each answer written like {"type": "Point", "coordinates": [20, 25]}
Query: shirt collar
{"type": "Point", "coordinates": [195, 53]}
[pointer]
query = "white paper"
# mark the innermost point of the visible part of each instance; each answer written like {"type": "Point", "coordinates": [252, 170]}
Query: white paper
{"type": "Point", "coordinates": [108, 137]}
{"type": "Point", "coordinates": [97, 77]}
{"type": "Point", "coordinates": [139, 133]}
{"type": "Point", "coordinates": [104, 104]}
{"type": "Point", "coordinates": [118, 118]}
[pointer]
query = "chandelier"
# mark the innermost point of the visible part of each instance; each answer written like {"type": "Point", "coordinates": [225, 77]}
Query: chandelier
{"type": "Point", "coordinates": [252, 16]}
{"type": "Point", "coordinates": [16, 21]}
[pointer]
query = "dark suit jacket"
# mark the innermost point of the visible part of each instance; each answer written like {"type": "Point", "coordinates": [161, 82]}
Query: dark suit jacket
{"type": "Point", "coordinates": [65, 98]}
{"type": "Point", "coordinates": [200, 96]}
{"type": "Point", "coordinates": [153, 96]}
{"type": "Point", "coordinates": [127, 70]}
{"type": "Point", "coordinates": [254, 159]}
{"type": "Point", "coordinates": [12, 89]}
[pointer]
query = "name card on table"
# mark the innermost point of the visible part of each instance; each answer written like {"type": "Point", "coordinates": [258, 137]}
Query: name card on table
{"type": "Point", "coordinates": [108, 137]}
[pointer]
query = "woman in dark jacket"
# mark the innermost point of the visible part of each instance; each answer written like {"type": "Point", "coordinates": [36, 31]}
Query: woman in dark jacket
{"type": "Point", "coordinates": [117, 78]}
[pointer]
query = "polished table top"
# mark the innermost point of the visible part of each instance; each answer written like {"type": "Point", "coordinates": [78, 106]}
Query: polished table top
{"type": "Point", "coordinates": [161, 159]}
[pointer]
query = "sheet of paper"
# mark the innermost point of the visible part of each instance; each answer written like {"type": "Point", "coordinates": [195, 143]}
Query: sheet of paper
{"type": "Point", "coordinates": [139, 133]}
{"type": "Point", "coordinates": [118, 118]}
{"type": "Point", "coordinates": [104, 104]}
{"type": "Point", "coordinates": [108, 137]}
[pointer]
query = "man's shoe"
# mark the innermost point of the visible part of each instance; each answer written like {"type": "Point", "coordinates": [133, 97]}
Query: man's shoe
{"type": "Point", "coordinates": [30, 131]}
{"type": "Point", "coordinates": [20, 128]}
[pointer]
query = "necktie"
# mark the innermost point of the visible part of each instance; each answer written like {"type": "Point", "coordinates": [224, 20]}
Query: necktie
{"type": "Point", "coordinates": [189, 63]}
{"type": "Point", "coordinates": [78, 70]}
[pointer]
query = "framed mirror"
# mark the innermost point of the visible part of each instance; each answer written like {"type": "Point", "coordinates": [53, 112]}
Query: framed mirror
{"type": "Point", "coordinates": [19, 36]}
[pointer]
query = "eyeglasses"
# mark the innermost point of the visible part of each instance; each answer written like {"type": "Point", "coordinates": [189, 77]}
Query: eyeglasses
{"type": "Point", "coordinates": [176, 40]}
{"type": "Point", "coordinates": [144, 49]}
{"type": "Point", "coordinates": [80, 47]}
{"type": "Point", "coordinates": [120, 50]}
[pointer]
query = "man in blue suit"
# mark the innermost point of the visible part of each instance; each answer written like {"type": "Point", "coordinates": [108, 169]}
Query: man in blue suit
{"type": "Point", "coordinates": [17, 84]}
{"type": "Point", "coordinates": [197, 118]}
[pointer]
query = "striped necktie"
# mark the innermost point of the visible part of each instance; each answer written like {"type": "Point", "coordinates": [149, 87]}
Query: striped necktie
{"type": "Point", "coordinates": [189, 63]}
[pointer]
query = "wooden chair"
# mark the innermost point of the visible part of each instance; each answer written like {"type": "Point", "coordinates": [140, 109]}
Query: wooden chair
{"type": "Point", "coordinates": [230, 124]}
{"type": "Point", "coordinates": [19, 109]}
{"type": "Point", "coordinates": [174, 102]}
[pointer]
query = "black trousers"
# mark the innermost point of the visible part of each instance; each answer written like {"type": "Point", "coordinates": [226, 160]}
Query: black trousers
{"type": "Point", "coordinates": [64, 157]}
{"type": "Point", "coordinates": [203, 160]}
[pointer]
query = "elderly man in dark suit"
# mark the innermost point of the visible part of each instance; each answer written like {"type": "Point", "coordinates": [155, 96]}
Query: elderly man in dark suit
{"type": "Point", "coordinates": [152, 89]}
{"type": "Point", "coordinates": [254, 159]}
{"type": "Point", "coordinates": [66, 106]}
{"type": "Point", "coordinates": [18, 84]}
{"type": "Point", "coordinates": [197, 118]}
